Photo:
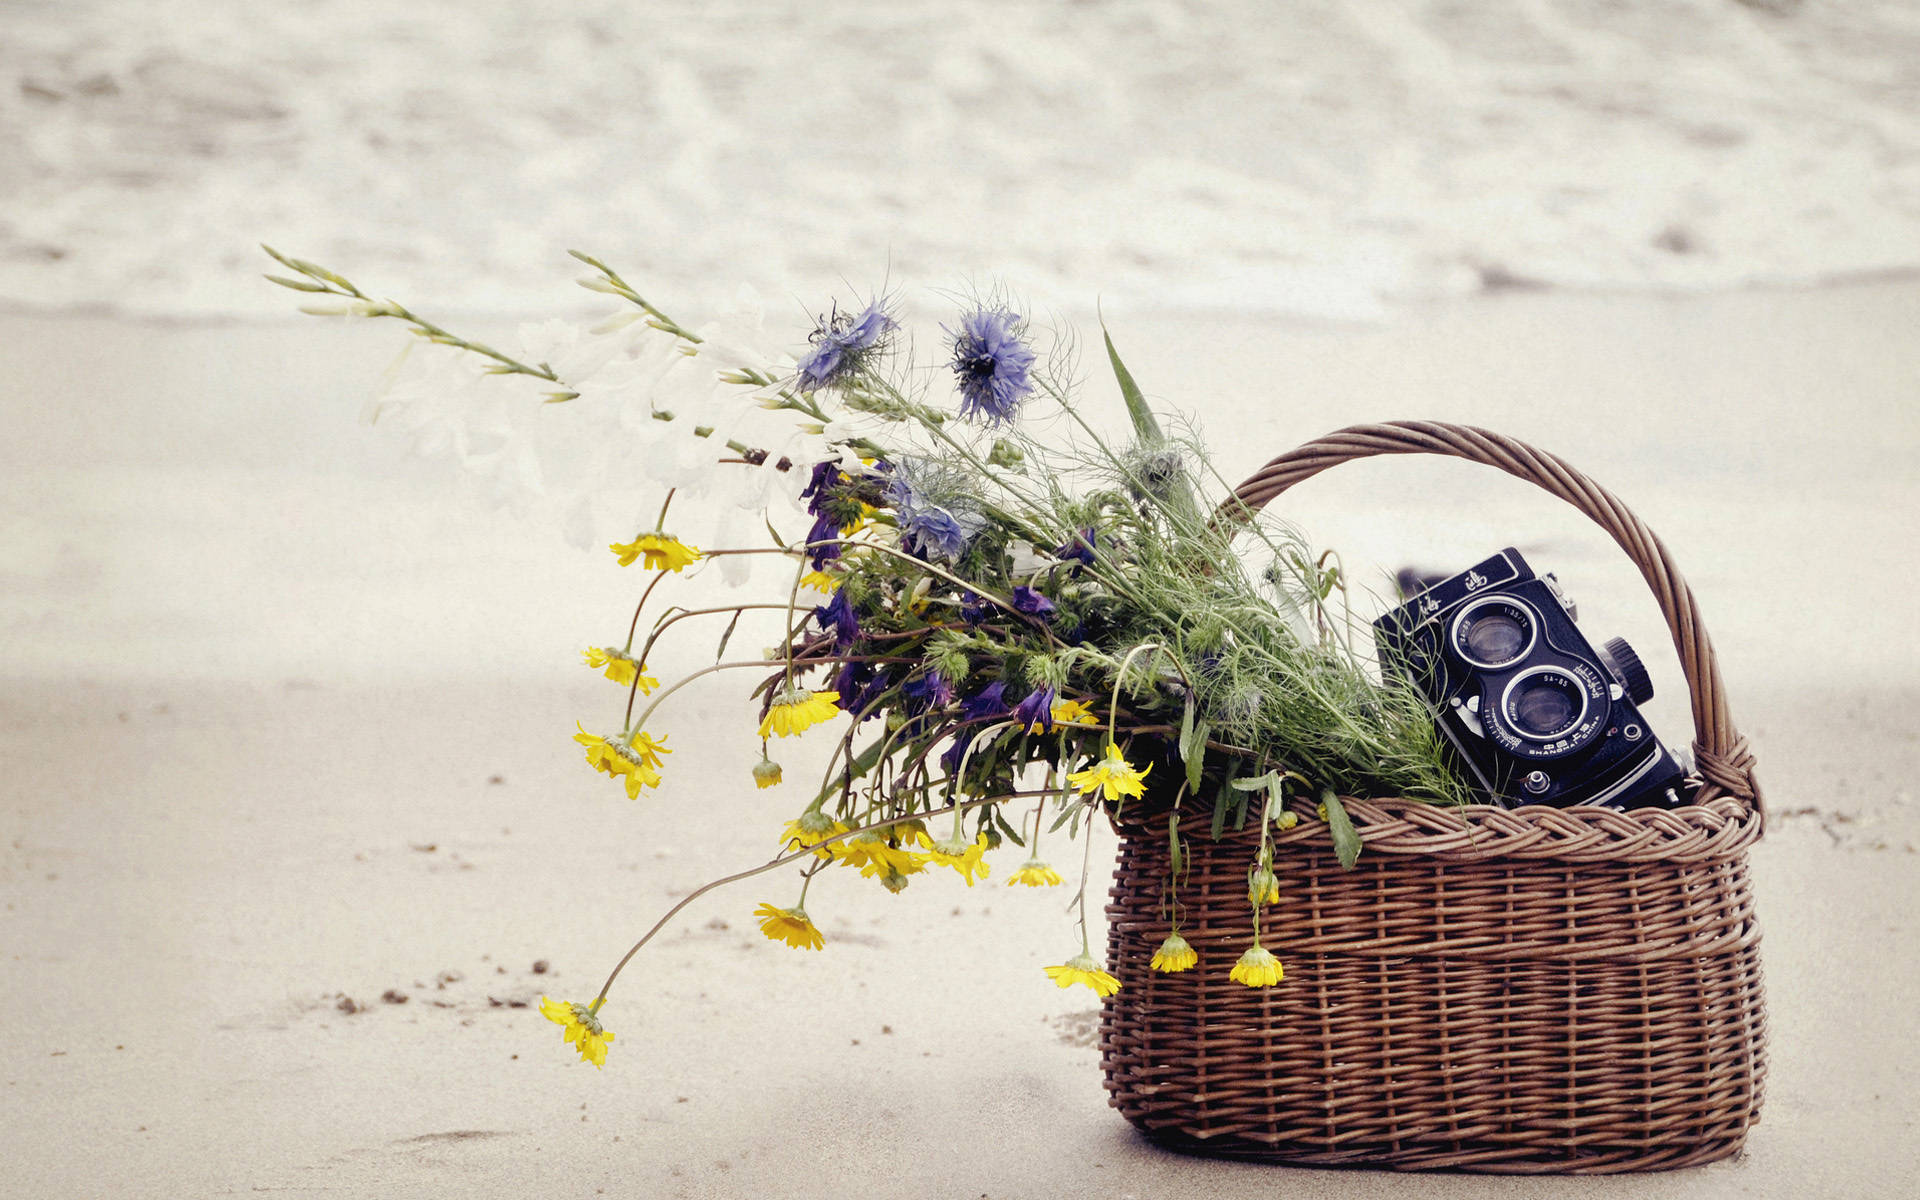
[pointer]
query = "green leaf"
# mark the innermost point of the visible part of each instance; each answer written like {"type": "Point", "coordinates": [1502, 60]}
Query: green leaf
{"type": "Point", "coordinates": [1223, 798]}
{"type": "Point", "coordinates": [721, 651]}
{"type": "Point", "coordinates": [1174, 856]}
{"type": "Point", "coordinates": [1008, 831]}
{"type": "Point", "coordinates": [1145, 426]}
{"type": "Point", "coordinates": [1346, 839]}
{"type": "Point", "coordinates": [1197, 761]}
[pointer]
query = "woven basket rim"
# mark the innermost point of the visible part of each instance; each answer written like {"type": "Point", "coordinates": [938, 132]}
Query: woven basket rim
{"type": "Point", "coordinates": [1720, 828]}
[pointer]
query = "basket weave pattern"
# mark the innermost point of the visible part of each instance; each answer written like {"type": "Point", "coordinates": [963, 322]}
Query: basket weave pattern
{"type": "Point", "coordinates": [1523, 990]}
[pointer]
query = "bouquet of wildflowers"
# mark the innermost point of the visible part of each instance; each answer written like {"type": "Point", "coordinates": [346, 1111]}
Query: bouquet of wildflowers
{"type": "Point", "coordinates": [1004, 613]}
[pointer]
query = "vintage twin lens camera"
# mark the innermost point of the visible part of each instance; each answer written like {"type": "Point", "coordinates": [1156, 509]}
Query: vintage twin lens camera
{"type": "Point", "coordinates": [1537, 714]}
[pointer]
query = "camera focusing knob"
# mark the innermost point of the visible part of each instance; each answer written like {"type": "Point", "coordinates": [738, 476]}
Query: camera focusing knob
{"type": "Point", "coordinates": [1628, 668]}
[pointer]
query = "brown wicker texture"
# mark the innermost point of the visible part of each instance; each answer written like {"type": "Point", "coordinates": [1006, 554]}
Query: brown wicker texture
{"type": "Point", "coordinates": [1524, 990]}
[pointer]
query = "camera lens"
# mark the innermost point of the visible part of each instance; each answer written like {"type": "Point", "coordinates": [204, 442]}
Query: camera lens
{"type": "Point", "coordinates": [1545, 704]}
{"type": "Point", "coordinates": [1494, 632]}
{"type": "Point", "coordinates": [1495, 637]}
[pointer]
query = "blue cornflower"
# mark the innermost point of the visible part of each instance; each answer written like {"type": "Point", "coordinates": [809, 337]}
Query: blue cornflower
{"type": "Point", "coordinates": [1028, 601]}
{"type": "Point", "coordinates": [842, 343]}
{"type": "Point", "coordinates": [837, 614]}
{"type": "Point", "coordinates": [1035, 713]}
{"type": "Point", "coordinates": [991, 364]}
{"type": "Point", "coordinates": [927, 528]}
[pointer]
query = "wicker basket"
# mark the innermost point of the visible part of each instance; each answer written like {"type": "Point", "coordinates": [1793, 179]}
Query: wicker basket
{"type": "Point", "coordinates": [1510, 990]}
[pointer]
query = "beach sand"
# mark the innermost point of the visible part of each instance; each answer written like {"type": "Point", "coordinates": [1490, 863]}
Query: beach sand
{"type": "Point", "coordinates": [286, 728]}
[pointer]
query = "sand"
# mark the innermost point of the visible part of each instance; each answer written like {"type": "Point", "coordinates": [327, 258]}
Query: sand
{"type": "Point", "coordinates": [285, 731]}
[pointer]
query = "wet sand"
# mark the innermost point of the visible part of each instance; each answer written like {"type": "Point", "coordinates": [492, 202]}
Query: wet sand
{"type": "Point", "coordinates": [286, 728]}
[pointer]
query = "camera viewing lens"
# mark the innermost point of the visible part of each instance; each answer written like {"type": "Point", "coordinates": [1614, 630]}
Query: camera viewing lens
{"type": "Point", "coordinates": [1496, 637]}
{"type": "Point", "coordinates": [1545, 704]}
{"type": "Point", "coordinates": [1494, 632]}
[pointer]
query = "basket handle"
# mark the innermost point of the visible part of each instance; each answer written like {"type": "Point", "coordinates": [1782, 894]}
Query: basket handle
{"type": "Point", "coordinates": [1721, 755]}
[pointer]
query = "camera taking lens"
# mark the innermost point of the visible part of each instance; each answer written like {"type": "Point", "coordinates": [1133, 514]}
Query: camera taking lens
{"type": "Point", "coordinates": [1536, 713]}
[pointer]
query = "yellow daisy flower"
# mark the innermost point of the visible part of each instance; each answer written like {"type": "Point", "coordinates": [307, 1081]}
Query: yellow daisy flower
{"type": "Point", "coordinates": [648, 749]}
{"type": "Point", "coordinates": [1174, 955]}
{"type": "Point", "coordinates": [619, 667]}
{"type": "Point", "coordinates": [583, 1029]}
{"type": "Point", "coordinates": [964, 857]}
{"type": "Point", "coordinates": [1257, 968]}
{"type": "Point", "coordinates": [637, 766]}
{"type": "Point", "coordinates": [1074, 712]}
{"type": "Point", "coordinates": [1262, 887]}
{"type": "Point", "coordinates": [662, 552]}
{"type": "Point", "coordinates": [1082, 969]}
{"type": "Point", "coordinates": [1034, 873]}
{"type": "Point", "coordinates": [877, 857]}
{"type": "Point", "coordinates": [811, 828]}
{"type": "Point", "coordinates": [789, 925]}
{"type": "Point", "coordinates": [766, 773]}
{"type": "Point", "coordinates": [1113, 776]}
{"type": "Point", "coordinates": [795, 711]}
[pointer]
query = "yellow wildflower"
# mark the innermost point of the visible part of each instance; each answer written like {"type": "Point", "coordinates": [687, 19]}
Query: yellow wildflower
{"type": "Point", "coordinates": [1082, 969]}
{"type": "Point", "coordinates": [766, 773]}
{"type": "Point", "coordinates": [638, 766]}
{"type": "Point", "coordinates": [583, 1029]}
{"type": "Point", "coordinates": [620, 667]}
{"type": "Point", "coordinates": [1113, 776]}
{"type": "Point", "coordinates": [819, 581]}
{"type": "Point", "coordinates": [1074, 712]}
{"type": "Point", "coordinates": [662, 552]}
{"type": "Point", "coordinates": [964, 857]}
{"type": "Point", "coordinates": [1257, 968]}
{"type": "Point", "coordinates": [1262, 887]}
{"type": "Point", "coordinates": [793, 711]}
{"type": "Point", "coordinates": [811, 828]}
{"type": "Point", "coordinates": [876, 856]}
{"type": "Point", "coordinates": [648, 749]}
{"type": "Point", "coordinates": [1034, 873]}
{"type": "Point", "coordinates": [1174, 955]}
{"type": "Point", "coordinates": [789, 925]}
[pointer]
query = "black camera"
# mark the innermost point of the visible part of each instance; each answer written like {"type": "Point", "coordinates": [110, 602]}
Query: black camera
{"type": "Point", "coordinates": [1537, 715]}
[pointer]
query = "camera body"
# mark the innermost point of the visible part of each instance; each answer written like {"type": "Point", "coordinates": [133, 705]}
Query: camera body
{"type": "Point", "coordinates": [1536, 713]}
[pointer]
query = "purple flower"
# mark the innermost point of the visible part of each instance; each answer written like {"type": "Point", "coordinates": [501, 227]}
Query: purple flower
{"type": "Point", "coordinates": [931, 690]}
{"type": "Point", "coordinates": [1035, 713]}
{"type": "Point", "coordinates": [825, 475]}
{"type": "Point", "coordinates": [842, 343]}
{"type": "Point", "coordinates": [837, 614]}
{"type": "Point", "coordinates": [859, 685]}
{"type": "Point", "coordinates": [823, 541]}
{"type": "Point", "coordinates": [987, 703]}
{"type": "Point", "coordinates": [991, 361]}
{"type": "Point", "coordinates": [1028, 601]}
{"type": "Point", "coordinates": [973, 607]}
{"type": "Point", "coordinates": [1080, 549]}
